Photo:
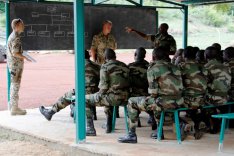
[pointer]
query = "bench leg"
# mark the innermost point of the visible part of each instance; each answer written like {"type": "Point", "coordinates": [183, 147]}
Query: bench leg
{"type": "Point", "coordinates": [126, 119]}
{"type": "Point", "coordinates": [160, 127]}
{"type": "Point", "coordinates": [221, 135]}
{"type": "Point", "coordinates": [177, 125]}
{"type": "Point", "coordinates": [113, 119]}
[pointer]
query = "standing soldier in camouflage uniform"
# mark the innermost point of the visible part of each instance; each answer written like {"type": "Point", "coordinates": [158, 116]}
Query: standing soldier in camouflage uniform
{"type": "Point", "coordinates": [194, 78]}
{"type": "Point", "coordinates": [138, 80]}
{"type": "Point", "coordinates": [114, 90]}
{"type": "Point", "coordinates": [15, 62]}
{"type": "Point", "coordinates": [165, 88]}
{"type": "Point", "coordinates": [91, 86]}
{"type": "Point", "coordinates": [161, 39]}
{"type": "Point", "coordinates": [102, 41]}
{"type": "Point", "coordinates": [219, 82]}
{"type": "Point", "coordinates": [228, 57]}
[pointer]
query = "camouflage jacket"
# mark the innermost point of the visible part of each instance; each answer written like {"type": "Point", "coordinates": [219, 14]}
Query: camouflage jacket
{"type": "Point", "coordinates": [138, 78]}
{"type": "Point", "coordinates": [100, 42]}
{"type": "Point", "coordinates": [164, 80]}
{"type": "Point", "coordinates": [194, 78]}
{"type": "Point", "coordinates": [230, 64]}
{"type": "Point", "coordinates": [219, 78]}
{"type": "Point", "coordinates": [13, 46]}
{"type": "Point", "coordinates": [92, 76]}
{"type": "Point", "coordinates": [165, 41]}
{"type": "Point", "coordinates": [114, 77]}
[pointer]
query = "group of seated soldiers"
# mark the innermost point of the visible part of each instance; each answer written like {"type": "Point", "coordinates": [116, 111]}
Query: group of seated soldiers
{"type": "Point", "coordinates": [192, 79]}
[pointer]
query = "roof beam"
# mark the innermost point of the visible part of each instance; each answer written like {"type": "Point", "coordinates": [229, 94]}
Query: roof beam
{"type": "Point", "coordinates": [95, 2]}
{"type": "Point", "coordinates": [135, 3]}
{"type": "Point", "coordinates": [171, 2]}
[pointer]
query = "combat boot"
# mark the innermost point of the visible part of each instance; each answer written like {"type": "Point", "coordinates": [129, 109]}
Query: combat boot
{"type": "Point", "coordinates": [155, 135]}
{"type": "Point", "coordinates": [15, 110]}
{"type": "Point", "coordinates": [94, 112]}
{"type": "Point", "coordinates": [47, 113]}
{"type": "Point", "coordinates": [90, 130]}
{"type": "Point", "coordinates": [130, 138]}
{"type": "Point", "coordinates": [109, 124]}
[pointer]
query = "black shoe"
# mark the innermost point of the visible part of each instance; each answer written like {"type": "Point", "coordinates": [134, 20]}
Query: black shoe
{"type": "Point", "coordinates": [48, 113]}
{"type": "Point", "coordinates": [130, 138]}
{"type": "Point", "coordinates": [155, 136]}
{"type": "Point", "coordinates": [90, 130]}
{"type": "Point", "coordinates": [184, 129]}
{"type": "Point", "coordinates": [200, 131]}
{"type": "Point", "coordinates": [109, 124]}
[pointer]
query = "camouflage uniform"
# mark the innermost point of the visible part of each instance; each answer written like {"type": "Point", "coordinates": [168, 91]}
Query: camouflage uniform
{"type": "Point", "coordinates": [16, 66]}
{"type": "Point", "coordinates": [230, 64]}
{"type": "Point", "coordinates": [160, 40]}
{"type": "Point", "coordinates": [165, 87]}
{"type": "Point", "coordinates": [113, 85]}
{"type": "Point", "coordinates": [2, 53]}
{"type": "Point", "coordinates": [100, 42]}
{"type": "Point", "coordinates": [219, 82]}
{"type": "Point", "coordinates": [194, 79]}
{"type": "Point", "coordinates": [91, 85]}
{"type": "Point", "coordinates": [138, 78]}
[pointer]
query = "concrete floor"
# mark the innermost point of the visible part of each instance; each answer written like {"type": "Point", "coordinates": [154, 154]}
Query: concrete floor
{"type": "Point", "coordinates": [61, 130]}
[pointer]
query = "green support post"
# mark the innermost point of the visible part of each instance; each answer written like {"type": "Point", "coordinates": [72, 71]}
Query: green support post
{"type": "Point", "coordinates": [8, 27]}
{"type": "Point", "coordinates": [79, 70]}
{"type": "Point", "coordinates": [156, 14]}
{"type": "Point", "coordinates": [185, 27]}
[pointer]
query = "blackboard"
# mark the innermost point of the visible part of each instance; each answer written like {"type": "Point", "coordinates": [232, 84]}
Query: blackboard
{"type": "Point", "coordinates": [50, 26]}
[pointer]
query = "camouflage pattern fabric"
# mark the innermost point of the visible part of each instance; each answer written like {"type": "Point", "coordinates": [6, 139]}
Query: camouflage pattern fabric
{"type": "Point", "coordinates": [113, 85]}
{"type": "Point", "coordinates": [91, 85]}
{"type": "Point", "coordinates": [16, 66]}
{"type": "Point", "coordinates": [194, 79]}
{"type": "Point", "coordinates": [165, 87]}
{"type": "Point", "coordinates": [2, 53]}
{"type": "Point", "coordinates": [230, 64]}
{"type": "Point", "coordinates": [161, 40]}
{"type": "Point", "coordinates": [100, 42]}
{"type": "Point", "coordinates": [219, 82]}
{"type": "Point", "coordinates": [138, 78]}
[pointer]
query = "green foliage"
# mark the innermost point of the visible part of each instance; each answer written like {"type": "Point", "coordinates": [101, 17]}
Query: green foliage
{"type": "Point", "coordinates": [2, 20]}
{"type": "Point", "coordinates": [2, 7]}
{"type": "Point", "coordinates": [230, 28]}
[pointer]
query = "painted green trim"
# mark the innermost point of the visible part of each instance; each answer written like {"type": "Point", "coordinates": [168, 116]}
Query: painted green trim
{"type": "Point", "coordinates": [8, 30]}
{"type": "Point", "coordinates": [185, 27]}
{"type": "Point", "coordinates": [79, 70]}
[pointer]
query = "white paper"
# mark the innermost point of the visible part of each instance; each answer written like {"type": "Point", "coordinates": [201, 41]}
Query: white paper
{"type": "Point", "coordinates": [28, 56]}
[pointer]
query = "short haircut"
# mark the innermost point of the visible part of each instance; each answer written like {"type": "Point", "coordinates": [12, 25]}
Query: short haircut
{"type": "Point", "coordinates": [160, 53]}
{"type": "Point", "coordinates": [15, 22]}
{"type": "Point", "coordinates": [190, 53]}
{"type": "Point", "coordinates": [211, 52]}
{"type": "Point", "coordinates": [165, 25]}
{"type": "Point", "coordinates": [230, 52]}
{"type": "Point", "coordinates": [106, 22]}
{"type": "Point", "coordinates": [110, 54]}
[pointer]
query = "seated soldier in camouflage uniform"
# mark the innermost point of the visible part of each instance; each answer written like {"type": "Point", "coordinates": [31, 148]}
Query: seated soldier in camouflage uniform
{"type": "Point", "coordinates": [200, 59]}
{"type": "Point", "coordinates": [91, 86]}
{"type": "Point", "coordinates": [138, 80]}
{"type": "Point", "coordinates": [113, 90]}
{"type": "Point", "coordinates": [219, 82]}
{"type": "Point", "coordinates": [165, 89]}
{"type": "Point", "coordinates": [177, 58]}
{"type": "Point", "coordinates": [194, 78]}
{"type": "Point", "coordinates": [228, 57]}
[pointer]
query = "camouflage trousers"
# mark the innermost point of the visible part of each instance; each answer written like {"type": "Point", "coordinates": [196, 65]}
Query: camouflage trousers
{"type": "Point", "coordinates": [215, 100]}
{"type": "Point", "coordinates": [16, 71]}
{"type": "Point", "coordinates": [63, 101]}
{"type": "Point", "coordinates": [194, 102]}
{"type": "Point", "coordinates": [143, 103]}
{"type": "Point", "coordinates": [107, 100]}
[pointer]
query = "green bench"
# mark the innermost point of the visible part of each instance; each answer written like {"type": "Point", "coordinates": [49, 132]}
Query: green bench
{"type": "Point", "coordinates": [225, 118]}
{"type": "Point", "coordinates": [177, 122]}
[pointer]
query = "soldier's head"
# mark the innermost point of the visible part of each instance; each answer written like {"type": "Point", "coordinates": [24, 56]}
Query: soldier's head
{"type": "Point", "coordinates": [228, 54]}
{"type": "Point", "coordinates": [87, 56]}
{"type": "Point", "coordinates": [220, 53]}
{"type": "Point", "coordinates": [189, 53]}
{"type": "Point", "coordinates": [109, 54]}
{"type": "Point", "coordinates": [211, 53]}
{"type": "Point", "coordinates": [106, 27]}
{"type": "Point", "coordinates": [159, 53]}
{"type": "Point", "coordinates": [200, 56]}
{"type": "Point", "coordinates": [17, 25]}
{"type": "Point", "coordinates": [196, 49]}
{"type": "Point", "coordinates": [139, 54]}
{"type": "Point", "coordinates": [163, 28]}
{"type": "Point", "coordinates": [217, 45]}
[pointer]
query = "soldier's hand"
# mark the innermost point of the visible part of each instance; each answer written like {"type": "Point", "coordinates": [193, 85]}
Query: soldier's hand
{"type": "Point", "coordinates": [128, 30]}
